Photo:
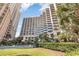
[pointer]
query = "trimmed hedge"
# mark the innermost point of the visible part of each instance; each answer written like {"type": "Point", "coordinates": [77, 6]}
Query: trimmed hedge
{"type": "Point", "coordinates": [73, 53]}
{"type": "Point", "coordinates": [62, 46]}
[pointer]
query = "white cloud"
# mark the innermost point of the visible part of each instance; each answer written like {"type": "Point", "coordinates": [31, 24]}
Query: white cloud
{"type": "Point", "coordinates": [44, 6]}
{"type": "Point", "coordinates": [25, 6]}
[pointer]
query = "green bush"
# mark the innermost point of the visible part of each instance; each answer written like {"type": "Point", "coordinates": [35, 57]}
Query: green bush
{"type": "Point", "coordinates": [62, 46]}
{"type": "Point", "coordinates": [73, 53]}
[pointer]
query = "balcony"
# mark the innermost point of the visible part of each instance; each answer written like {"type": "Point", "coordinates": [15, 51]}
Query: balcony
{"type": "Point", "coordinates": [55, 22]}
{"type": "Point", "coordinates": [56, 25]}
{"type": "Point", "coordinates": [56, 28]}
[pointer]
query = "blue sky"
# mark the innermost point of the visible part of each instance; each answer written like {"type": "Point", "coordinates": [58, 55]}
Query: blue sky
{"type": "Point", "coordinates": [33, 10]}
{"type": "Point", "coordinates": [29, 9]}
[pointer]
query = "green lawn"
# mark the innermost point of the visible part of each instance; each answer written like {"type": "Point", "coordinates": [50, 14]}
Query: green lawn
{"type": "Point", "coordinates": [30, 52]}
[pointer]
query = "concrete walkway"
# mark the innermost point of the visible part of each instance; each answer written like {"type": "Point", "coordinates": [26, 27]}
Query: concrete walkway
{"type": "Point", "coordinates": [50, 52]}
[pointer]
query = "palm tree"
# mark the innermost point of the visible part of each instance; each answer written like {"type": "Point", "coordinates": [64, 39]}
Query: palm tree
{"type": "Point", "coordinates": [68, 14]}
{"type": "Point", "coordinates": [44, 37]}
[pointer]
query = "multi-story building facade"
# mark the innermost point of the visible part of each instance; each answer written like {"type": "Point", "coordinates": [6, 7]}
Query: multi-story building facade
{"type": "Point", "coordinates": [51, 21]}
{"type": "Point", "coordinates": [9, 16]}
{"type": "Point", "coordinates": [54, 19]}
{"type": "Point", "coordinates": [15, 15]}
{"type": "Point", "coordinates": [31, 27]}
{"type": "Point", "coordinates": [46, 22]}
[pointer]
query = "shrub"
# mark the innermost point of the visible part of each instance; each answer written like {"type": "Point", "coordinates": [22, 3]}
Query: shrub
{"type": "Point", "coordinates": [73, 53]}
{"type": "Point", "coordinates": [62, 46]}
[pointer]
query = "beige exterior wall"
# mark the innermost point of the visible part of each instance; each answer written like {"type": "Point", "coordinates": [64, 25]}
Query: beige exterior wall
{"type": "Point", "coordinates": [15, 20]}
{"type": "Point", "coordinates": [10, 19]}
{"type": "Point", "coordinates": [5, 20]}
{"type": "Point", "coordinates": [54, 19]}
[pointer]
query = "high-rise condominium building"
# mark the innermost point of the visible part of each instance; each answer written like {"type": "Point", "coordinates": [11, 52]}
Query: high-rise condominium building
{"type": "Point", "coordinates": [31, 27]}
{"type": "Point", "coordinates": [51, 21]}
{"type": "Point", "coordinates": [46, 22]}
{"type": "Point", "coordinates": [54, 19]}
{"type": "Point", "coordinates": [9, 16]}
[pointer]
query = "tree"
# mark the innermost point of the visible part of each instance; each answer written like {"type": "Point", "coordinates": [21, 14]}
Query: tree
{"type": "Point", "coordinates": [63, 37]}
{"type": "Point", "coordinates": [44, 37]}
{"type": "Point", "coordinates": [37, 41]}
{"type": "Point", "coordinates": [4, 42]}
{"type": "Point", "coordinates": [18, 40]}
{"type": "Point", "coordinates": [52, 37]}
{"type": "Point", "coordinates": [69, 17]}
{"type": "Point", "coordinates": [68, 37]}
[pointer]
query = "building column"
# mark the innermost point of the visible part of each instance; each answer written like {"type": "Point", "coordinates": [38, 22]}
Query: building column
{"type": "Point", "coordinates": [24, 38]}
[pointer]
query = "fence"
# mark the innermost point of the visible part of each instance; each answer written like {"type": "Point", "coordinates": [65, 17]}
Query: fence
{"type": "Point", "coordinates": [17, 46]}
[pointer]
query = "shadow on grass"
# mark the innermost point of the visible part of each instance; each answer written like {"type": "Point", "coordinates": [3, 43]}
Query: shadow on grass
{"type": "Point", "coordinates": [23, 55]}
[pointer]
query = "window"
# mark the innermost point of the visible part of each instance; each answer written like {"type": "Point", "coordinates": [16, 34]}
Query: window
{"type": "Point", "coordinates": [3, 14]}
{"type": "Point", "coordinates": [1, 19]}
{"type": "Point", "coordinates": [50, 28]}
{"type": "Point", "coordinates": [32, 33]}
{"type": "Point", "coordinates": [50, 31]}
{"type": "Point", "coordinates": [48, 23]}
{"type": "Point", "coordinates": [24, 33]}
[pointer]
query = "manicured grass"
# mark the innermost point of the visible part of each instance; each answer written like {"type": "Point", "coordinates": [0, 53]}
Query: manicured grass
{"type": "Point", "coordinates": [30, 52]}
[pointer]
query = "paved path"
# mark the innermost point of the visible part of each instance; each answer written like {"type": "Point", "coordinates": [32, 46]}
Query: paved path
{"type": "Point", "coordinates": [50, 52]}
